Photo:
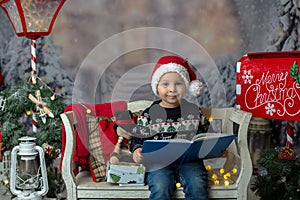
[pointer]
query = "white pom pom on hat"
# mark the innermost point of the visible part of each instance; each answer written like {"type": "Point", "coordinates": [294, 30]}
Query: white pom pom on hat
{"type": "Point", "coordinates": [181, 66]}
{"type": "Point", "coordinates": [196, 88]}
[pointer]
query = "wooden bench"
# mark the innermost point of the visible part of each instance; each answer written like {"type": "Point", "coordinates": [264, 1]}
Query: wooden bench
{"type": "Point", "coordinates": [82, 186]}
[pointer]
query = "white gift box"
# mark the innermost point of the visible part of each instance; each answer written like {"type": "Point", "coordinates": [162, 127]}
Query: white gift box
{"type": "Point", "coordinates": [125, 173]}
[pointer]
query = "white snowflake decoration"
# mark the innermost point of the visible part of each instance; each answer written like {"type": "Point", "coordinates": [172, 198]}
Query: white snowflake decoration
{"type": "Point", "coordinates": [247, 76]}
{"type": "Point", "coordinates": [270, 109]}
{"type": "Point", "coordinates": [2, 103]}
{"type": "Point", "coordinates": [134, 130]}
{"type": "Point", "coordinates": [190, 116]}
{"type": "Point", "coordinates": [170, 120]}
{"type": "Point", "coordinates": [144, 132]}
{"type": "Point", "coordinates": [180, 119]}
{"type": "Point", "coordinates": [159, 120]}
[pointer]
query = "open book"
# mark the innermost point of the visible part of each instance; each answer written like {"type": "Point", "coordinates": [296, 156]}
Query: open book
{"type": "Point", "coordinates": [202, 146]}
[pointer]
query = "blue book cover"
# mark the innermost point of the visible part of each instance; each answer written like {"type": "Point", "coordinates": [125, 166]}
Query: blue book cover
{"type": "Point", "coordinates": [202, 146]}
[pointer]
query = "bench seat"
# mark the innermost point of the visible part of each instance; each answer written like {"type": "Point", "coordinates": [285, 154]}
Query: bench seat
{"type": "Point", "coordinates": [87, 188]}
{"type": "Point", "coordinates": [83, 187]}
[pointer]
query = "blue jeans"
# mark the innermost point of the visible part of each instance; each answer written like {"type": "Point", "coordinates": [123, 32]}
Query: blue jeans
{"type": "Point", "coordinates": [193, 177]}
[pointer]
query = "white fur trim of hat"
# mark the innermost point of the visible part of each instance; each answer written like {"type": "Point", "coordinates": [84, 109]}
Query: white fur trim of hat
{"type": "Point", "coordinates": [195, 87]}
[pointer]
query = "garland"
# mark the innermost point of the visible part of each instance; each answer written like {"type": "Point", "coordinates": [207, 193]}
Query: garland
{"type": "Point", "coordinates": [278, 179]}
{"type": "Point", "coordinates": [16, 114]}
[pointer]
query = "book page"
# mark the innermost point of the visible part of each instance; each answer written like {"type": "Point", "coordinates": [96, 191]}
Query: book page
{"type": "Point", "coordinates": [206, 136]}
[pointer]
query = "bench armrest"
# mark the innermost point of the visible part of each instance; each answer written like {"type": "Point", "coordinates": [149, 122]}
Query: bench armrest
{"type": "Point", "coordinates": [68, 165]}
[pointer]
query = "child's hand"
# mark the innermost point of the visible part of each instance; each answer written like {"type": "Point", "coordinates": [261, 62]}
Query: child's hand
{"type": "Point", "coordinates": [137, 155]}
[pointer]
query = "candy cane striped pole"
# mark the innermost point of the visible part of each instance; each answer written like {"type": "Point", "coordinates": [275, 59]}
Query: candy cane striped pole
{"type": "Point", "coordinates": [33, 61]}
{"type": "Point", "coordinates": [287, 152]}
{"type": "Point", "coordinates": [289, 135]}
{"type": "Point", "coordinates": [34, 123]}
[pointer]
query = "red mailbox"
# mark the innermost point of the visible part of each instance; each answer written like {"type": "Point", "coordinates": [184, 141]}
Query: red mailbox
{"type": "Point", "coordinates": [268, 85]}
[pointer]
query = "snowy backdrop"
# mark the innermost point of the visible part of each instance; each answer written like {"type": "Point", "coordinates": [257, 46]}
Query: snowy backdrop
{"type": "Point", "coordinates": [226, 29]}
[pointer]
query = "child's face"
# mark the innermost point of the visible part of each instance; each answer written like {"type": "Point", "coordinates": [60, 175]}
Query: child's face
{"type": "Point", "coordinates": [171, 89]}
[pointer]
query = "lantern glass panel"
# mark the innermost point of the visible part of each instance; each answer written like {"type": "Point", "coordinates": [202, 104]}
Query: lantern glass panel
{"type": "Point", "coordinates": [14, 16]}
{"type": "Point", "coordinates": [28, 173]}
{"type": "Point", "coordinates": [259, 137]}
{"type": "Point", "coordinates": [39, 13]}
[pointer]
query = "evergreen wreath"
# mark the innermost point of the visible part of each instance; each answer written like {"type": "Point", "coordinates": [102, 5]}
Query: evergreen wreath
{"type": "Point", "coordinates": [278, 179]}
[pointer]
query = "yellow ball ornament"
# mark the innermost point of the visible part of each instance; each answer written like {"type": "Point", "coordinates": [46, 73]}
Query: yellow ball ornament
{"type": "Point", "coordinates": [226, 176]}
{"type": "Point", "coordinates": [178, 185]}
{"type": "Point", "coordinates": [222, 171]}
{"type": "Point", "coordinates": [28, 112]}
{"type": "Point", "coordinates": [214, 176]}
{"type": "Point", "coordinates": [88, 111]}
{"type": "Point", "coordinates": [234, 170]}
{"type": "Point", "coordinates": [52, 97]}
{"type": "Point", "coordinates": [210, 119]}
{"type": "Point", "coordinates": [216, 182]}
{"type": "Point", "coordinates": [6, 182]}
{"type": "Point", "coordinates": [226, 183]}
{"type": "Point", "coordinates": [208, 167]}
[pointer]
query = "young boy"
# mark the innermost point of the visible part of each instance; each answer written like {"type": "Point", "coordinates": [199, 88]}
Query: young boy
{"type": "Point", "coordinates": [172, 78]}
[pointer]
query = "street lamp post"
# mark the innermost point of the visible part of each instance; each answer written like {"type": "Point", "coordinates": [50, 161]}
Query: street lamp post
{"type": "Point", "coordinates": [32, 19]}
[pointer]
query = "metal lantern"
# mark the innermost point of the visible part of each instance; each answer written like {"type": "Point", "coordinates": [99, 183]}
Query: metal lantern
{"type": "Point", "coordinates": [259, 137]}
{"type": "Point", "coordinates": [28, 175]}
{"type": "Point", "coordinates": [32, 18]}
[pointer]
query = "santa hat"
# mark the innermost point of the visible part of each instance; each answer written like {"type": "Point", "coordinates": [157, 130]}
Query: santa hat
{"type": "Point", "coordinates": [181, 66]}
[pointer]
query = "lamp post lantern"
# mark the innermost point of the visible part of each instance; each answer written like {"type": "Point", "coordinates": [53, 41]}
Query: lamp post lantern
{"type": "Point", "coordinates": [32, 19]}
